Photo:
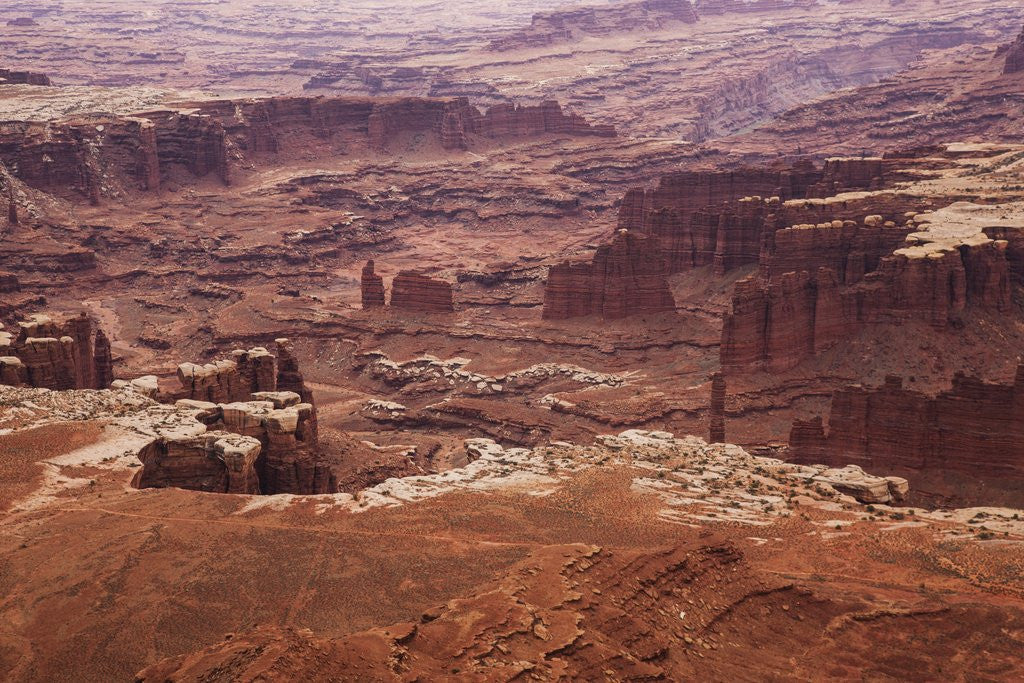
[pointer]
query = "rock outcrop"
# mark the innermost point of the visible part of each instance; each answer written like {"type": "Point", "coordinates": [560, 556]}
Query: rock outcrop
{"type": "Point", "coordinates": [9, 283]}
{"type": "Point", "coordinates": [244, 374]}
{"type": "Point", "coordinates": [256, 395]}
{"type": "Point", "coordinates": [412, 291]}
{"type": "Point", "coordinates": [712, 7]}
{"type": "Point", "coordinates": [963, 445]}
{"type": "Point", "coordinates": [780, 316]}
{"type": "Point", "coordinates": [226, 381]}
{"type": "Point", "coordinates": [11, 77]}
{"type": "Point", "coordinates": [94, 156]}
{"type": "Point", "coordinates": [717, 411]}
{"type": "Point", "coordinates": [505, 120]}
{"type": "Point", "coordinates": [289, 459]}
{"type": "Point", "coordinates": [214, 462]}
{"type": "Point", "coordinates": [702, 218]}
{"type": "Point", "coordinates": [547, 28]}
{"type": "Point", "coordinates": [73, 354]}
{"type": "Point", "coordinates": [1015, 56]}
{"type": "Point", "coordinates": [371, 287]}
{"type": "Point", "coordinates": [626, 277]}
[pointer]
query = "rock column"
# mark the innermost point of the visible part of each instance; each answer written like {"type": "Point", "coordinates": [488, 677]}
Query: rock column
{"type": "Point", "coordinates": [717, 408]}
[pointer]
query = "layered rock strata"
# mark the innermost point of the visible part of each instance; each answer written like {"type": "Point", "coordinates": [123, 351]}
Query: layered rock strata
{"type": "Point", "coordinates": [73, 354]}
{"type": "Point", "coordinates": [9, 76]}
{"type": "Point", "coordinates": [289, 458]}
{"type": "Point", "coordinates": [960, 445]}
{"type": "Point", "coordinates": [780, 317]}
{"type": "Point", "coordinates": [547, 28]}
{"type": "Point", "coordinates": [1015, 56]}
{"type": "Point", "coordinates": [258, 395]}
{"type": "Point", "coordinates": [698, 217]}
{"type": "Point", "coordinates": [414, 291]}
{"type": "Point", "coordinates": [371, 287]}
{"type": "Point", "coordinates": [626, 277]}
{"type": "Point", "coordinates": [717, 419]}
{"type": "Point", "coordinates": [94, 156]}
{"type": "Point", "coordinates": [215, 462]}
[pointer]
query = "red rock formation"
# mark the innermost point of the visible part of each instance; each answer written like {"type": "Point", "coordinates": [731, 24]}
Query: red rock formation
{"type": "Point", "coordinates": [215, 462]}
{"type": "Point", "coordinates": [964, 445]}
{"type": "Point", "coordinates": [90, 156]}
{"type": "Point", "coordinates": [416, 292]}
{"type": "Point", "coordinates": [193, 141]}
{"type": "Point", "coordinates": [262, 396]}
{"type": "Point", "coordinates": [371, 287]}
{"type": "Point", "coordinates": [547, 117]}
{"type": "Point", "coordinates": [626, 277]}
{"type": "Point", "coordinates": [73, 354]}
{"type": "Point", "coordinates": [689, 191]}
{"type": "Point", "coordinates": [9, 283]}
{"type": "Point", "coordinates": [227, 381]}
{"type": "Point", "coordinates": [22, 77]}
{"type": "Point", "coordinates": [1015, 56]}
{"type": "Point", "coordinates": [807, 441]}
{"type": "Point", "coordinates": [846, 174]}
{"type": "Point", "coordinates": [702, 218]}
{"type": "Point", "coordinates": [102, 361]}
{"type": "Point", "coordinates": [562, 25]}
{"type": "Point", "coordinates": [779, 318]}
{"type": "Point", "coordinates": [76, 157]}
{"type": "Point", "coordinates": [717, 428]}
{"type": "Point", "coordinates": [711, 7]}
{"type": "Point", "coordinates": [289, 376]}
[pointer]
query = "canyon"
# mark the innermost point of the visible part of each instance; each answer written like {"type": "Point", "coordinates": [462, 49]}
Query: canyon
{"type": "Point", "coordinates": [414, 319]}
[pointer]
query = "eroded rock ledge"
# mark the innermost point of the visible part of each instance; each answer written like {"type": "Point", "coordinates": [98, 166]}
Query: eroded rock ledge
{"type": "Point", "coordinates": [972, 433]}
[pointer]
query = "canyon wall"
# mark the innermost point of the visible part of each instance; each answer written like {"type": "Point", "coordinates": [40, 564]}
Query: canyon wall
{"type": "Point", "coordinates": [712, 7]}
{"type": "Point", "coordinates": [817, 284]}
{"type": "Point", "coordinates": [11, 77]}
{"type": "Point", "coordinates": [414, 291]}
{"type": "Point", "coordinates": [722, 218]}
{"type": "Point", "coordinates": [47, 354]}
{"type": "Point", "coordinates": [256, 395]}
{"type": "Point", "coordinates": [371, 287]}
{"type": "Point", "coordinates": [547, 28]}
{"type": "Point", "coordinates": [1015, 56]}
{"type": "Point", "coordinates": [214, 462]}
{"type": "Point", "coordinates": [776, 323]}
{"type": "Point", "coordinates": [109, 155]}
{"type": "Point", "coordinates": [717, 410]}
{"type": "Point", "coordinates": [626, 277]}
{"type": "Point", "coordinates": [962, 446]}
{"type": "Point", "coordinates": [701, 218]}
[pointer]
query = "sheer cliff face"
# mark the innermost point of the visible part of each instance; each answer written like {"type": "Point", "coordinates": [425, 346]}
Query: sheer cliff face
{"type": "Point", "coordinates": [1015, 56]}
{"type": "Point", "coordinates": [412, 291]}
{"type": "Point", "coordinates": [92, 157]}
{"type": "Point", "coordinates": [56, 354]}
{"type": "Point", "coordinates": [961, 446]}
{"type": "Point", "coordinates": [626, 277]}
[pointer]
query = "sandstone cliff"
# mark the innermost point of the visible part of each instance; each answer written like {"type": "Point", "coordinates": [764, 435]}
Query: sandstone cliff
{"type": "Point", "coordinates": [414, 291]}
{"type": "Point", "coordinates": [1015, 56]}
{"type": "Point", "coordinates": [97, 156]}
{"type": "Point", "coordinates": [961, 446]}
{"type": "Point", "coordinates": [547, 28]}
{"type": "Point", "coordinates": [23, 77]}
{"type": "Point", "coordinates": [626, 277]}
{"type": "Point", "coordinates": [257, 395]}
{"type": "Point", "coordinates": [371, 287]}
{"type": "Point", "coordinates": [820, 284]}
{"type": "Point", "coordinates": [701, 218]}
{"type": "Point", "coordinates": [47, 354]}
